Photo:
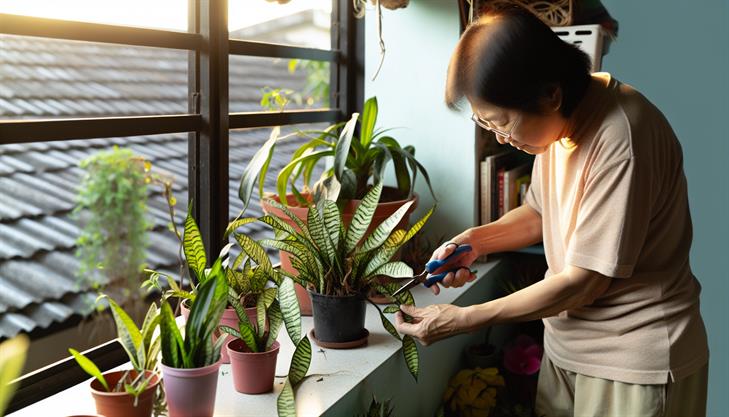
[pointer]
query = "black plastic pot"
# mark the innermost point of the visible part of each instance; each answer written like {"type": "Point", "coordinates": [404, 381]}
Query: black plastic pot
{"type": "Point", "coordinates": [338, 319]}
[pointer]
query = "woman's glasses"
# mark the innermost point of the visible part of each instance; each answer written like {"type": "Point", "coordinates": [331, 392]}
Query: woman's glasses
{"type": "Point", "coordinates": [485, 124]}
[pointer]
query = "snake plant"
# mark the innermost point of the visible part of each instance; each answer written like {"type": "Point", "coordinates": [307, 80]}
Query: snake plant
{"type": "Point", "coordinates": [333, 259]}
{"type": "Point", "coordinates": [356, 161]}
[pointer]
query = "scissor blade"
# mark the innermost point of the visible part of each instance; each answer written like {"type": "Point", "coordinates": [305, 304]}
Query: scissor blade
{"type": "Point", "coordinates": [412, 283]}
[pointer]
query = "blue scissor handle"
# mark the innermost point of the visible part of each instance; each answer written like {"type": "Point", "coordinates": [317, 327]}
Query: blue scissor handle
{"type": "Point", "coordinates": [439, 277]}
{"type": "Point", "coordinates": [437, 263]}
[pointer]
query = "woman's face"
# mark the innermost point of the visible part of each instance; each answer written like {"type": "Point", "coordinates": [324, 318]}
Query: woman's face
{"type": "Point", "coordinates": [531, 133]}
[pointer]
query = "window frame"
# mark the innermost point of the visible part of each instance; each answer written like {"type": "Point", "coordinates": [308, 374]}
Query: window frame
{"type": "Point", "coordinates": [207, 123]}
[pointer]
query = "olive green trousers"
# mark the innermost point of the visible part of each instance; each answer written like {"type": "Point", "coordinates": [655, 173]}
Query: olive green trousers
{"type": "Point", "coordinates": [561, 393]}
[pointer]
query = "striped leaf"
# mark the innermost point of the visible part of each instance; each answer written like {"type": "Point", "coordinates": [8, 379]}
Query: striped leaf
{"type": "Point", "coordinates": [255, 251]}
{"type": "Point", "coordinates": [418, 225]}
{"type": "Point", "coordinates": [235, 224]}
{"type": "Point", "coordinates": [304, 234]}
{"type": "Point", "coordinates": [387, 324]}
{"type": "Point", "coordinates": [395, 270]}
{"type": "Point", "coordinates": [151, 321]}
{"type": "Point", "coordinates": [386, 252]}
{"type": "Point", "coordinates": [290, 308]}
{"type": "Point", "coordinates": [332, 221]}
{"type": "Point", "coordinates": [275, 320]}
{"type": "Point", "coordinates": [383, 230]}
{"type": "Point", "coordinates": [410, 351]}
{"type": "Point", "coordinates": [129, 335]}
{"type": "Point", "coordinates": [285, 404]}
{"type": "Point", "coordinates": [391, 309]}
{"type": "Point", "coordinates": [362, 217]}
{"type": "Point", "coordinates": [320, 235]}
{"type": "Point", "coordinates": [265, 299]}
{"type": "Point", "coordinates": [300, 361]}
{"type": "Point", "coordinates": [277, 224]}
{"type": "Point", "coordinates": [388, 289]}
{"type": "Point", "coordinates": [193, 246]}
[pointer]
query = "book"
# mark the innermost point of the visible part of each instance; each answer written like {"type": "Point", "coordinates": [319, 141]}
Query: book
{"type": "Point", "coordinates": [521, 186]}
{"type": "Point", "coordinates": [511, 191]}
{"type": "Point", "coordinates": [500, 176]}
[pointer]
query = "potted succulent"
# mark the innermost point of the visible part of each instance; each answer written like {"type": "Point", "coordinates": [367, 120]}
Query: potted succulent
{"type": "Point", "coordinates": [130, 392]}
{"type": "Point", "coordinates": [190, 363]}
{"type": "Point", "coordinates": [357, 160]}
{"type": "Point", "coordinates": [339, 265]}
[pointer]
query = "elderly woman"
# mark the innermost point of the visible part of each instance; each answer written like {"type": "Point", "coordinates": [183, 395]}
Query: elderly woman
{"type": "Point", "coordinates": [620, 305]}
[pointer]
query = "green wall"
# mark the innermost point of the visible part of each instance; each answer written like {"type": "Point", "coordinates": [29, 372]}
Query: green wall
{"type": "Point", "coordinates": [676, 53]}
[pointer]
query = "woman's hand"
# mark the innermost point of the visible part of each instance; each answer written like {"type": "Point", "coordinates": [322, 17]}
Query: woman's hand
{"type": "Point", "coordinates": [432, 323]}
{"type": "Point", "coordinates": [464, 260]}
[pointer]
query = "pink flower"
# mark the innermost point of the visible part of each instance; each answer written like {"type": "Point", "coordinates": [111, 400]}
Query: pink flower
{"type": "Point", "coordinates": [523, 356]}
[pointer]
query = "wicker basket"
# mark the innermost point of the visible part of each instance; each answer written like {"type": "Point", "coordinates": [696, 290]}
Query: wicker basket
{"type": "Point", "coordinates": [553, 13]}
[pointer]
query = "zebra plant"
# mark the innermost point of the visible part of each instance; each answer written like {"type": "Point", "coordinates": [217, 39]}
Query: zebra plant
{"type": "Point", "coordinates": [336, 260]}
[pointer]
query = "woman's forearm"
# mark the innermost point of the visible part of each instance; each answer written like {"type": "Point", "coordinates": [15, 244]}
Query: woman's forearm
{"type": "Point", "coordinates": [516, 229]}
{"type": "Point", "coordinates": [572, 288]}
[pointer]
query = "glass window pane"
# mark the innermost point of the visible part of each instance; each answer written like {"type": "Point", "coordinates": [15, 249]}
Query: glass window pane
{"type": "Point", "coordinates": [50, 78]}
{"type": "Point", "coordinates": [158, 14]}
{"type": "Point", "coordinates": [43, 291]}
{"type": "Point", "coordinates": [243, 145]}
{"type": "Point", "coordinates": [275, 84]}
{"type": "Point", "coordinates": [297, 22]}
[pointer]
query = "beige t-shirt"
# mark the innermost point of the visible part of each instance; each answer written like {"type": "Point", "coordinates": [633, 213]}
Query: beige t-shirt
{"type": "Point", "coordinates": [613, 200]}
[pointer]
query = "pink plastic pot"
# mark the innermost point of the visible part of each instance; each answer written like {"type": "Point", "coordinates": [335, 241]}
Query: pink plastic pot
{"type": "Point", "coordinates": [253, 373]}
{"type": "Point", "coordinates": [230, 319]}
{"type": "Point", "coordinates": [190, 392]}
{"type": "Point", "coordinates": [121, 404]}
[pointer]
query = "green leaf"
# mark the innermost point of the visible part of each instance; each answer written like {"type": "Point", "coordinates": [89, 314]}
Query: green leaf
{"type": "Point", "coordinates": [369, 117]}
{"type": "Point", "coordinates": [89, 367]}
{"type": "Point", "coordinates": [387, 324]}
{"type": "Point", "coordinates": [290, 308]}
{"type": "Point", "coordinates": [129, 336]}
{"type": "Point", "coordinates": [235, 224]}
{"type": "Point", "coordinates": [383, 230]}
{"type": "Point", "coordinates": [333, 222]}
{"type": "Point", "coordinates": [284, 175]}
{"type": "Point", "coordinates": [300, 361]}
{"type": "Point", "coordinates": [255, 167]}
{"type": "Point", "coordinates": [391, 309]}
{"type": "Point", "coordinates": [256, 252]}
{"type": "Point", "coordinates": [320, 235]}
{"type": "Point", "coordinates": [275, 320]}
{"type": "Point", "coordinates": [341, 152]}
{"type": "Point", "coordinates": [205, 314]}
{"type": "Point", "coordinates": [193, 247]}
{"type": "Point", "coordinates": [173, 348]}
{"type": "Point", "coordinates": [395, 270]}
{"type": "Point", "coordinates": [285, 404]}
{"type": "Point", "coordinates": [265, 299]}
{"type": "Point", "coordinates": [388, 289]}
{"type": "Point", "coordinates": [362, 217]}
{"type": "Point", "coordinates": [410, 351]}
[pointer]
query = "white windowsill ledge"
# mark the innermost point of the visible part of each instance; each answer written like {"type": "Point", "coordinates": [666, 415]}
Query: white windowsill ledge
{"type": "Point", "coordinates": [343, 381]}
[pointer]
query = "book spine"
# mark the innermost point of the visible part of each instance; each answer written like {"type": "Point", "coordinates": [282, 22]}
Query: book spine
{"type": "Point", "coordinates": [501, 193]}
{"type": "Point", "coordinates": [485, 197]}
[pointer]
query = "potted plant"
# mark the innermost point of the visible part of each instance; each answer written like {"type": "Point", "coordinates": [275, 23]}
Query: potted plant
{"type": "Point", "coordinates": [190, 363]}
{"type": "Point", "coordinates": [130, 392]}
{"type": "Point", "coordinates": [12, 359]}
{"type": "Point", "coordinates": [339, 265]}
{"type": "Point", "coordinates": [112, 206]}
{"type": "Point", "coordinates": [357, 160]}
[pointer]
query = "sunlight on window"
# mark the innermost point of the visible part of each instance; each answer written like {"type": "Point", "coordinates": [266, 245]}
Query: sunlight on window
{"type": "Point", "coordinates": [159, 14]}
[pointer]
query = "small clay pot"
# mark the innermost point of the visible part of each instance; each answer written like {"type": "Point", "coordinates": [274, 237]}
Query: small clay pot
{"type": "Point", "coordinates": [253, 372]}
{"type": "Point", "coordinates": [121, 404]}
{"type": "Point", "coordinates": [190, 392]}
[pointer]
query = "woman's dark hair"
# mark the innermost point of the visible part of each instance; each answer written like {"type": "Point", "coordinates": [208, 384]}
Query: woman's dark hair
{"type": "Point", "coordinates": [511, 59]}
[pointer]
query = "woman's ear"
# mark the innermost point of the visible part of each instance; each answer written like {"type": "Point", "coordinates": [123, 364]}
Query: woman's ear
{"type": "Point", "coordinates": [552, 99]}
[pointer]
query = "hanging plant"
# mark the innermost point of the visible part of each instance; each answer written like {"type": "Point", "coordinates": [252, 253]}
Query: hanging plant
{"type": "Point", "coordinates": [359, 13]}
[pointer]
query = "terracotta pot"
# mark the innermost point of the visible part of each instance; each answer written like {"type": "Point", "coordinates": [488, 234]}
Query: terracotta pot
{"type": "Point", "coordinates": [190, 392]}
{"type": "Point", "coordinates": [383, 211]}
{"type": "Point", "coordinates": [230, 319]}
{"type": "Point", "coordinates": [253, 373]}
{"type": "Point", "coordinates": [121, 404]}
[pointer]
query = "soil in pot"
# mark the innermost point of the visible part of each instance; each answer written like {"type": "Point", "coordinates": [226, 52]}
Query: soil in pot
{"type": "Point", "coordinates": [253, 372]}
{"type": "Point", "coordinates": [338, 319]}
{"type": "Point", "coordinates": [121, 404]}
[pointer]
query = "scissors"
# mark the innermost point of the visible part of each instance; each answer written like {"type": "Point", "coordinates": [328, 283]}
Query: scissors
{"type": "Point", "coordinates": [432, 266]}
